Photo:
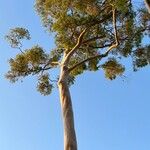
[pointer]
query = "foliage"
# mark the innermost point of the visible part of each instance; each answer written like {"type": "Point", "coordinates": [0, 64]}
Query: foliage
{"type": "Point", "coordinates": [16, 35]}
{"type": "Point", "coordinates": [141, 57]}
{"type": "Point", "coordinates": [112, 68]}
{"type": "Point", "coordinates": [68, 19]}
{"type": "Point", "coordinates": [31, 61]}
{"type": "Point", "coordinates": [44, 86]}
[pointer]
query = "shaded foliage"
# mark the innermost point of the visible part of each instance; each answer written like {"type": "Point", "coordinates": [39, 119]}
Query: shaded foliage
{"type": "Point", "coordinates": [44, 86]}
{"type": "Point", "coordinates": [141, 57]}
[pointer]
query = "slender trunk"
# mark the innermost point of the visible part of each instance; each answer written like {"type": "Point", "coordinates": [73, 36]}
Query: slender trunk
{"type": "Point", "coordinates": [70, 142]}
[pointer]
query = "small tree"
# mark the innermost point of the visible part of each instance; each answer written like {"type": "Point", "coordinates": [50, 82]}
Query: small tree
{"type": "Point", "coordinates": [89, 35]}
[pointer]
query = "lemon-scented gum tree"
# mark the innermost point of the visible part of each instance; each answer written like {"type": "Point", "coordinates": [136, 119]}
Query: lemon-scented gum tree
{"type": "Point", "coordinates": [89, 35]}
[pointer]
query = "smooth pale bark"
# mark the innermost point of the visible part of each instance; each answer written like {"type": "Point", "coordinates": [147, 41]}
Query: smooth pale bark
{"type": "Point", "coordinates": [70, 142]}
{"type": "Point", "coordinates": [147, 3]}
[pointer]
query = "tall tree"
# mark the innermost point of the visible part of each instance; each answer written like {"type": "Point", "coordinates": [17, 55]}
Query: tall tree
{"type": "Point", "coordinates": [89, 35]}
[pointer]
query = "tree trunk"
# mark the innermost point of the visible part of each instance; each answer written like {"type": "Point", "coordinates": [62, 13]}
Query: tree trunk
{"type": "Point", "coordinates": [70, 142]}
{"type": "Point", "coordinates": [147, 3]}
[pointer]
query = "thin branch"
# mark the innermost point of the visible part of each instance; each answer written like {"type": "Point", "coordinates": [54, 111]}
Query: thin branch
{"type": "Point", "coordinates": [21, 50]}
{"type": "Point", "coordinates": [47, 64]}
{"type": "Point", "coordinates": [51, 63]}
{"type": "Point", "coordinates": [34, 71]}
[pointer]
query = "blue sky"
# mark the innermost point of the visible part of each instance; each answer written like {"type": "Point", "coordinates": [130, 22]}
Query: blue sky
{"type": "Point", "coordinates": [109, 115]}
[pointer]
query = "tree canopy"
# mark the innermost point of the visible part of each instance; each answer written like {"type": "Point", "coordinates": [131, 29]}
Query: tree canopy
{"type": "Point", "coordinates": [94, 34]}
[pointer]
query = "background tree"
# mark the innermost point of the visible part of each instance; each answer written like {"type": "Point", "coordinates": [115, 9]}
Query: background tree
{"type": "Point", "coordinates": [89, 35]}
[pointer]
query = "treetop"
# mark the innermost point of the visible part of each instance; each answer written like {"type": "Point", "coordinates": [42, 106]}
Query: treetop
{"type": "Point", "coordinates": [89, 35]}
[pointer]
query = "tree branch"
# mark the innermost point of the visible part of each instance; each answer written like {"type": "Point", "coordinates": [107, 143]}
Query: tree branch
{"type": "Point", "coordinates": [49, 63]}
{"type": "Point", "coordinates": [100, 56]}
{"type": "Point", "coordinates": [80, 38]}
{"type": "Point", "coordinates": [21, 50]}
{"type": "Point", "coordinates": [147, 3]}
{"type": "Point", "coordinates": [115, 32]}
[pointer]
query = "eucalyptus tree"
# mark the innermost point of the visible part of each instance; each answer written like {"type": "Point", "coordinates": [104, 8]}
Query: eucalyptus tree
{"type": "Point", "coordinates": [89, 35]}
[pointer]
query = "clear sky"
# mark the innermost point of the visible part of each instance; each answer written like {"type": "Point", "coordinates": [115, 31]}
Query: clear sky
{"type": "Point", "coordinates": [109, 115]}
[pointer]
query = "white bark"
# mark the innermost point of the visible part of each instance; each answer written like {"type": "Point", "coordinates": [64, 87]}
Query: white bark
{"type": "Point", "coordinates": [147, 3]}
{"type": "Point", "coordinates": [70, 142]}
